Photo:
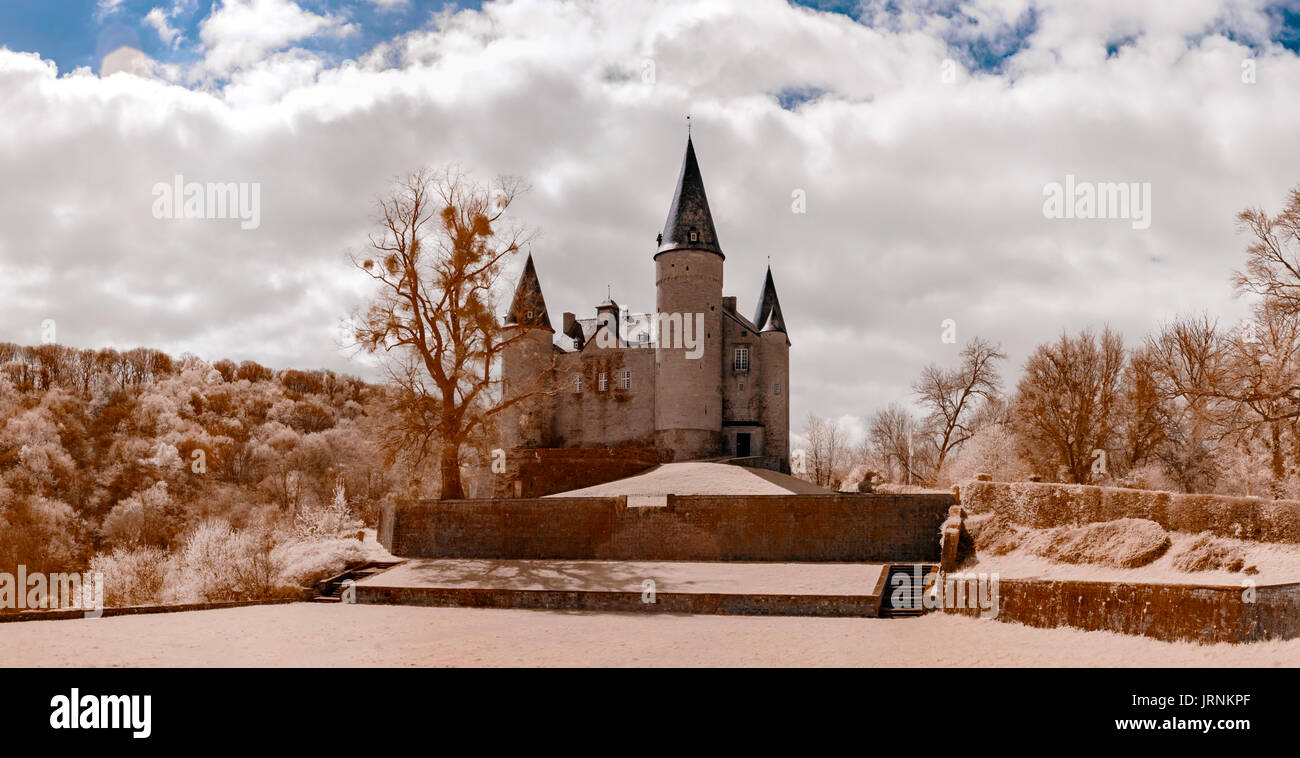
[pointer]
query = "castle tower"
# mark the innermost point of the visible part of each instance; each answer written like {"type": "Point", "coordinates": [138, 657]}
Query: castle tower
{"type": "Point", "coordinates": [774, 357]}
{"type": "Point", "coordinates": [688, 284]}
{"type": "Point", "coordinates": [525, 364]}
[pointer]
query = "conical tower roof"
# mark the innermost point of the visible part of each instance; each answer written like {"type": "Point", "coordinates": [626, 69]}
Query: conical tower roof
{"type": "Point", "coordinates": [689, 213]}
{"type": "Point", "coordinates": [768, 317]}
{"type": "Point", "coordinates": [528, 308]}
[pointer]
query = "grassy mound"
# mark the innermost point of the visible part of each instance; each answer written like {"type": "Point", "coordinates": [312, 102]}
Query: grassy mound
{"type": "Point", "coordinates": [1126, 543]}
{"type": "Point", "coordinates": [1208, 553]}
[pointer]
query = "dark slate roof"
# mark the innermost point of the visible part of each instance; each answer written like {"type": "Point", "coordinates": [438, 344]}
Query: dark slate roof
{"type": "Point", "coordinates": [528, 299]}
{"type": "Point", "coordinates": [689, 211]}
{"type": "Point", "coordinates": [768, 317]}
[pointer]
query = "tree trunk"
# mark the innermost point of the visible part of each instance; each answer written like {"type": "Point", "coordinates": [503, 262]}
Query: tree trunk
{"type": "Point", "coordinates": [449, 467]}
{"type": "Point", "coordinates": [1278, 462]}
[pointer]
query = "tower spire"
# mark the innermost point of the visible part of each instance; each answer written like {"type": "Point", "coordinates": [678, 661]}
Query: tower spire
{"type": "Point", "coordinates": [768, 317]}
{"type": "Point", "coordinates": [690, 224]}
{"type": "Point", "coordinates": [528, 308]}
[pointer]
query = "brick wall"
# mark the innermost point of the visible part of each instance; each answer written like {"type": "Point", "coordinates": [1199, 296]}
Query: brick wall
{"type": "Point", "coordinates": [1163, 611]}
{"type": "Point", "coordinates": [843, 527]}
{"type": "Point", "coordinates": [546, 471]}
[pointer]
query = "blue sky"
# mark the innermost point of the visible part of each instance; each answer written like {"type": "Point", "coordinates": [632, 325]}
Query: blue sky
{"type": "Point", "coordinates": [76, 33]}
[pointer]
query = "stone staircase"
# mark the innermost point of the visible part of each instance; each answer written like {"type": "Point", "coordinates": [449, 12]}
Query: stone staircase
{"type": "Point", "coordinates": [331, 590]}
{"type": "Point", "coordinates": [904, 591]}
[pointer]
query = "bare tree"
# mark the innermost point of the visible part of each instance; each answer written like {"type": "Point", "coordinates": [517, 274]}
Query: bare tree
{"type": "Point", "coordinates": [441, 248]}
{"type": "Point", "coordinates": [1067, 400]}
{"type": "Point", "coordinates": [1273, 259]}
{"type": "Point", "coordinates": [828, 450]}
{"type": "Point", "coordinates": [952, 397]}
{"type": "Point", "coordinates": [1145, 417]}
{"type": "Point", "coordinates": [898, 442]}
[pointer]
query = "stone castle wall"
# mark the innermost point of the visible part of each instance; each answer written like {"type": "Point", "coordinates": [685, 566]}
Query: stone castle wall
{"type": "Point", "coordinates": [841, 527]}
{"type": "Point", "coordinates": [536, 472]}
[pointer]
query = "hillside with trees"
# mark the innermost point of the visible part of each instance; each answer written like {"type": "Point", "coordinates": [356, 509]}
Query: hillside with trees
{"type": "Point", "coordinates": [139, 464]}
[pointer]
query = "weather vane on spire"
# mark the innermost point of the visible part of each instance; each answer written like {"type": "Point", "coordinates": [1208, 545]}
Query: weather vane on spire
{"type": "Point", "coordinates": [688, 126]}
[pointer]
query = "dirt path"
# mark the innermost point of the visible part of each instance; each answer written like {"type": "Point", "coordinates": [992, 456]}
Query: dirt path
{"type": "Point", "coordinates": [309, 634]}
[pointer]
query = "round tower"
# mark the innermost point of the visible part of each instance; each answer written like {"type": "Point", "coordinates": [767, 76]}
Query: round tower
{"type": "Point", "coordinates": [525, 365]}
{"type": "Point", "coordinates": [774, 356]}
{"type": "Point", "coordinates": [688, 300]}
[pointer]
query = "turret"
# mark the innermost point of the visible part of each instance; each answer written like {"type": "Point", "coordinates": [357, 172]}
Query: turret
{"type": "Point", "coordinates": [525, 364]}
{"type": "Point", "coordinates": [688, 289]}
{"type": "Point", "coordinates": [774, 356]}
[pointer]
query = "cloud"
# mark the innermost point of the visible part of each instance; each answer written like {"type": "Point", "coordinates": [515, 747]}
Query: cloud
{"type": "Point", "coordinates": [239, 33]}
{"type": "Point", "coordinates": [129, 59]}
{"type": "Point", "coordinates": [924, 195]}
{"type": "Point", "coordinates": [106, 8]}
{"type": "Point", "coordinates": [158, 19]}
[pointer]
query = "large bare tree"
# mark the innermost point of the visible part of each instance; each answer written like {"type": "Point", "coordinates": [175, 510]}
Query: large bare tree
{"type": "Point", "coordinates": [1067, 401]}
{"type": "Point", "coordinates": [952, 397]}
{"type": "Point", "coordinates": [442, 244]}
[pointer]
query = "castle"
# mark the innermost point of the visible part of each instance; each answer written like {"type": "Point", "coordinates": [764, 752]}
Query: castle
{"type": "Point", "coordinates": [694, 380]}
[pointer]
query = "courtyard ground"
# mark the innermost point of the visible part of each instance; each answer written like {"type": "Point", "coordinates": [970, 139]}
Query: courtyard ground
{"type": "Point", "coordinates": [314, 634]}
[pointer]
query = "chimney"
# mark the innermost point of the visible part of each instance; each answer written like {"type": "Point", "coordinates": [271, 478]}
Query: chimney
{"type": "Point", "coordinates": [729, 304]}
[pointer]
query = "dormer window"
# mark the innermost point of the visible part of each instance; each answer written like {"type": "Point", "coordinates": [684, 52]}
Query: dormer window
{"type": "Point", "coordinates": [695, 236]}
{"type": "Point", "coordinates": [528, 315]}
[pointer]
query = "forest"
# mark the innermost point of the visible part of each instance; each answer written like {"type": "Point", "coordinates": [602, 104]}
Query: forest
{"type": "Point", "coordinates": [183, 480]}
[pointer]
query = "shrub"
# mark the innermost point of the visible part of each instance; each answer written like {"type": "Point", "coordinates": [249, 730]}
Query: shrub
{"type": "Point", "coordinates": [132, 576]}
{"type": "Point", "coordinates": [326, 521]}
{"type": "Point", "coordinates": [1127, 543]}
{"type": "Point", "coordinates": [994, 534]}
{"type": "Point", "coordinates": [1208, 553]}
{"type": "Point", "coordinates": [304, 563]}
{"type": "Point", "coordinates": [218, 563]}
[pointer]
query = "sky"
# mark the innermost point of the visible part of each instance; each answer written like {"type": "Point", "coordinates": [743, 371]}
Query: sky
{"type": "Point", "coordinates": [891, 159]}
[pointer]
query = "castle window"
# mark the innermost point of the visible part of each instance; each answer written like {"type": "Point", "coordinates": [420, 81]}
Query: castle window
{"type": "Point", "coordinates": [741, 360]}
{"type": "Point", "coordinates": [528, 315]}
{"type": "Point", "coordinates": [577, 382]}
{"type": "Point", "coordinates": [742, 386]}
{"type": "Point", "coordinates": [625, 379]}
{"type": "Point", "coordinates": [695, 236]}
{"type": "Point", "coordinates": [776, 388]}
{"type": "Point", "coordinates": [604, 381]}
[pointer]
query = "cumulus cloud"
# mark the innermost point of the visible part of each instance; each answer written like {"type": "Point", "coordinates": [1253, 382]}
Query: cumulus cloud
{"type": "Point", "coordinates": [924, 192]}
{"type": "Point", "coordinates": [242, 32]}
{"type": "Point", "coordinates": [159, 19]}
